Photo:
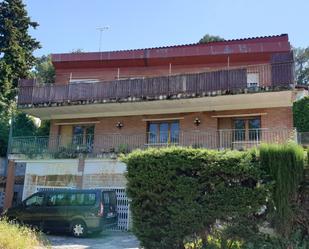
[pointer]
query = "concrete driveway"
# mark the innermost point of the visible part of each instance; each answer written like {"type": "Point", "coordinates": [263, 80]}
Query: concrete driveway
{"type": "Point", "coordinates": [106, 240]}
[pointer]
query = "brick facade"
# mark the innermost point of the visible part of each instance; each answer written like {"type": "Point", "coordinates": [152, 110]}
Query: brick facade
{"type": "Point", "coordinates": [271, 118]}
{"type": "Point", "coordinates": [63, 76]}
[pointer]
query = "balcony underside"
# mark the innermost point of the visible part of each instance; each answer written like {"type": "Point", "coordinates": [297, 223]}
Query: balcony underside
{"type": "Point", "coordinates": [183, 105]}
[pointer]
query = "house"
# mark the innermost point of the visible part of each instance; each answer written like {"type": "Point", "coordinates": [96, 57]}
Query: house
{"type": "Point", "coordinates": [228, 94]}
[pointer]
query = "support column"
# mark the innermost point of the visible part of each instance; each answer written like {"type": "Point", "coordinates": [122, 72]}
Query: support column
{"type": "Point", "coordinates": [9, 187]}
{"type": "Point", "coordinates": [81, 167]}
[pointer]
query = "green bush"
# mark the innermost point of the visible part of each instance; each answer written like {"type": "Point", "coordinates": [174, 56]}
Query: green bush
{"type": "Point", "coordinates": [20, 237]}
{"type": "Point", "coordinates": [301, 114]}
{"type": "Point", "coordinates": [178, 193]}
{"type": "Point", "coordinates": [285, 166]}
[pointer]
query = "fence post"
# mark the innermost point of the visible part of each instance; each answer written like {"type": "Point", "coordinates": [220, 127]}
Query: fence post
{"type": "Point", "coordinates": [220, 140]}
{"type": "Point", "coordinates": [297, 136]}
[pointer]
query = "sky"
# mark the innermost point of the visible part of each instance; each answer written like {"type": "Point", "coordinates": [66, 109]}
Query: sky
{"type": "Point", "coordinates": [67, 25]}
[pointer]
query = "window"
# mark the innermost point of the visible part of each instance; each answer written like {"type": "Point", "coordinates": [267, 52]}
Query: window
{"type": "Point", "coordinates": [163, 132]}
{"type": "Point", "coordinates": [252, 80]}
{"type": "Point", "coordinates": [247, 129]}
{"type": "Point", "coordinates": [80, 199]}
{"type": "Point", "coordinates": [240, 129]}
{"type": "Point", "coordinates": [36, 200]}
{"type": "Point", "coordinates": [83, 135]}
{"type": "Point", "coordinates": [57, 200]}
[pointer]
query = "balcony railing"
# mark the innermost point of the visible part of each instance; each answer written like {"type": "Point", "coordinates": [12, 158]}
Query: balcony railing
{"type": "Point", "coordinates": [210, 82]}
{"type": "Point", "coordinates": [101, 145]}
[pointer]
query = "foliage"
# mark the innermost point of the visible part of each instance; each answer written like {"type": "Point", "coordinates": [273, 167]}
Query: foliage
{"type": "Point", "coordinates": [210, 38]}
{"type": "Point", "coordinates": [123, 148]}
{"type": "Point", "coordinates": [302, 65]}
{"type": "Point", "coordinates": [66, 152]}
{"type": "Point", "coordinates": [14, 236]}
{"type": "Point", "coordinates": [285, 165]}
{"type": "Point", "coordinates": [44, 128]}
{"type": "Point", "coordinates": [180, 192]}
{"type": "Point", "coordinates": [44, 70]}
{"type": "Point", "coordinates": [77, 51]}
{"type": "Point", "coordinates": [297, 240]}
{"type": "Point", "coordinates": [23, 125]}
{"type": "Point", "coordinates": [4, 135]}
{"type": "Point", "coordinates": [16, 46]}
{"type": "Point", "coordinates": [16, 59]}
{"type": "Point", "coordinates": [301, 114]}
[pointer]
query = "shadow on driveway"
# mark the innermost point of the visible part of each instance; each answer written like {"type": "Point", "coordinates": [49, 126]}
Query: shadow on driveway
{"type": "Point", "coordinates": [106, 240]}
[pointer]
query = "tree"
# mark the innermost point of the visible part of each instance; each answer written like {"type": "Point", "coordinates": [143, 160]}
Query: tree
{"type": "Point", "coordinates": [302, 65]}
{"type": "Point", "coordinates": [16, 59]}
{"type": "Point", "coordinates": [301, 114]}
{"type": "Point", "coordinates": [77, 51]}
{"type": "Point", "coordinates": [210, 38]}
{"type": "Point", "coordinates": [44, 128]}
{"type": "Point", "coordinates": [44, 70]}
{"type": "Point", "coordinates": [24, 125]}
{"type": "Point", "coordinates": [16, 46]}
{"type": "Point", "coordinates": [4, 132]}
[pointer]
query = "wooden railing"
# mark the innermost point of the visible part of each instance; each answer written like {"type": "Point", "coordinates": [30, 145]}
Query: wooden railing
{"type": "Point", "coordinates": [197, 84]}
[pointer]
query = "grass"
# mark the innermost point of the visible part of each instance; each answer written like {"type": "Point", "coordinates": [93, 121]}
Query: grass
{"type": "Point", "coordinates": [14, 236]}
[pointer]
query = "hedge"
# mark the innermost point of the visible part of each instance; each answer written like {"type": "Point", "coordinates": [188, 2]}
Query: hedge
{"type": "Point", "coordinates": [301, 114]}
{"type": "Point", "coordinates": [179, 193]}
{"type": "Point", "coordinates": [285, 165]}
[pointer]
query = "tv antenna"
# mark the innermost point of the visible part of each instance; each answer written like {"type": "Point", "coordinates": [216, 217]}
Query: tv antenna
{"type": "Point", "coordinates": [101, 30]}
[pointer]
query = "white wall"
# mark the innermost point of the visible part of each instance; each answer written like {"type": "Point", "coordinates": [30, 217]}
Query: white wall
{"type": "Point", "coordinates": [97, 173]}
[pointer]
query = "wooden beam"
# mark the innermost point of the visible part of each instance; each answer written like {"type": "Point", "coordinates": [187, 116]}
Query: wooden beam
{"type": "Point", "coordinates": [161, 119]}
{"type": "Point", "coordinates": [240, 115]}
{"type": "Point", "coordinates": [84, 122]}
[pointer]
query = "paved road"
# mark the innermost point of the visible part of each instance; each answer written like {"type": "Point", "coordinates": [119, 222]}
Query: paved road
{"type": "Point", "coordinates": [106, 240]}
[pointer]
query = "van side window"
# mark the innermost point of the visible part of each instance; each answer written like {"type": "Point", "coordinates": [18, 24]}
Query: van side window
{"type": "Point", "coordinates": [35, 201]}
{"type": "Point", "coordinates": [82, 199]}
{"type": "Point", "coordinates": [57, 200]}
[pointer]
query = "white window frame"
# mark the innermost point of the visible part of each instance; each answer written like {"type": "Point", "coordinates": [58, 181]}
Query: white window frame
{"type": "Point", "coordinates": [253, 79]}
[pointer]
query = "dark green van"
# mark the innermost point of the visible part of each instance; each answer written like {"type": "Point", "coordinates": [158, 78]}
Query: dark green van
{"type": "Point", "coordinates": [76, 211]}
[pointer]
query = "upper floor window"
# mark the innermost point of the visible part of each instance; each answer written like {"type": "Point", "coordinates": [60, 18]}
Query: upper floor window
{"type": "Point", "coordinates": [166, 132]}
{"type": "Point", "coordinates": [253, 80]}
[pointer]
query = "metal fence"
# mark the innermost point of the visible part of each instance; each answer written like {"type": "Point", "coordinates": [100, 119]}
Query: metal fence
{"type": "Point", "coordinates": [99, 145]}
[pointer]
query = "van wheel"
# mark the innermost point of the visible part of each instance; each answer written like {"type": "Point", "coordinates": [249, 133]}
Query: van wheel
{"type": "Point", "coordinates": [78, 229]}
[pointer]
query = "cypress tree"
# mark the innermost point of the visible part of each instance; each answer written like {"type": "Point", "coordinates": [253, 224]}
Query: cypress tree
{"type": "Point", "coordinates": [16, 47]}
{"type": "Point", "coordinates": [16, 58]}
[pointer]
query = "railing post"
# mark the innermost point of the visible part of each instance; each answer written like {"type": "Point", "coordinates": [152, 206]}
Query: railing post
{"type": "Point", "coordinates": [220, 139]}
{"type": "Point", "coordinates": [295, 136]}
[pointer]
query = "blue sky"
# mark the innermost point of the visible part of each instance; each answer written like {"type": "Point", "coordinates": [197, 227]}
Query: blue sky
{"type": "Point", "coordinates": [66, 25]}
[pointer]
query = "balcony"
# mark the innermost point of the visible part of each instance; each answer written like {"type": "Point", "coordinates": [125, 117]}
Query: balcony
{"type": "Point", "coordinates": [215, 81]}
{"type": "Point", "coordinates": [109, 145]}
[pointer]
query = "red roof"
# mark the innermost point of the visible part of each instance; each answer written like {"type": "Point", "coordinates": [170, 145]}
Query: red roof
{"type": "Point", "coordinates": [266, 44]}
